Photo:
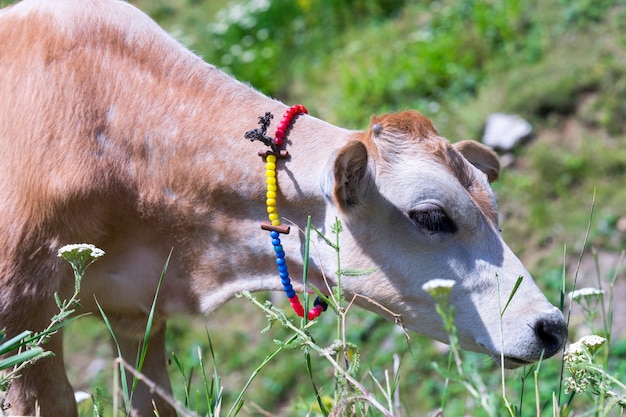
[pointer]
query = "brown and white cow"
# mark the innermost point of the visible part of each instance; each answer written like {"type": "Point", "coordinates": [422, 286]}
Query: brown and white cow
{"type": "Point", "coordinates": [114, 134]}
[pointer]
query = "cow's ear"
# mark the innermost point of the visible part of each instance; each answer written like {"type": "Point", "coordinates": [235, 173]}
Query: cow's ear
{"type": "Point", "coordinates": [481, 156]}
{"type": "Point", "coordinates": [351, 175]}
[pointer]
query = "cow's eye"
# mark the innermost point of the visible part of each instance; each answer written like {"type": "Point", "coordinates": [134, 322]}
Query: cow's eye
{"type": "Point", "coordinates": [432, 219]}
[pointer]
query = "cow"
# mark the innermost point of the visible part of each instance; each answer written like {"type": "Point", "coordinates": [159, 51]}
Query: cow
{"type": "Point", "coordinates": [112, 133]}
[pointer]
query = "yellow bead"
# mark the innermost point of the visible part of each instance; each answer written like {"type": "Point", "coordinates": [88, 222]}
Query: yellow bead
{"type": "Point", "coordinates": [271, 158]}
{"type": "Point", "coordinates": [276, 222]}
{"type": "Point", "coordinates": [271, 194]}
{"type": "Point", "coordinates": [270, 173]}
{"type": "Point", "coordinates": [270, 165]}
{"type": "Point", "coordinates": [272, 187]}
{"type": "Point", "coordinates": [273, 216]}
{"type": "Point", "coordinates": [270, 202]}
{"type": "Point", "coordinates": [271, 209]}
{"type": "Point", "coordinates": [271, 180]}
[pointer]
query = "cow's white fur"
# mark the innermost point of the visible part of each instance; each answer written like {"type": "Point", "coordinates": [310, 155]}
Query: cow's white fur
{"type": "Point", "coordinates": [114, 134]}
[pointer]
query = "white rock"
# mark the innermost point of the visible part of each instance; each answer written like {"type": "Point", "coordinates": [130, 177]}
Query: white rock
{"type": "Point", "coordinates": [81, 396]}
{"type": "Point", "coordinates": [505, 131]}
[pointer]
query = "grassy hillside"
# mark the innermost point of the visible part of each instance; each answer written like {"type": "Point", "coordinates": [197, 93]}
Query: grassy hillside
{"type": "Point", "coordinates": [561, 64]}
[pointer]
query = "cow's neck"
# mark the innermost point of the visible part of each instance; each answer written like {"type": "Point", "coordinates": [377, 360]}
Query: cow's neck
{"type": "Point", "coordinates": [203, 175]}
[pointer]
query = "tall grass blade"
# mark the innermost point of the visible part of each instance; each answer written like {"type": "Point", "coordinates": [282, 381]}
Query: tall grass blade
{"type": "Point", "coordinates": [563, 279]}
{"type": "Point", "coordinates": [515, 288]}
{"type": "Point", "coordinates": [569, 313]}
{"type": "Point", "coordinates": [305, 267]}
{"type": "Point", "coordinates": [14, 343]}
{"type": "Point", "coordinates": [126, 393]}
{"type": "Point", "coordinates": [213, 391]}
{"type": "Point", "coordinates": [146, 339]}
{"type": "Point", "coordinates": [20, 358]}
{"type": "Point", "coordinates": [537, 396]}
{"type": "Point", "coordinates": [318, 397]}
{"type": "Point", "coordinates": [186, 380]}
{"type": "Point", "coordinates": [616, 273]}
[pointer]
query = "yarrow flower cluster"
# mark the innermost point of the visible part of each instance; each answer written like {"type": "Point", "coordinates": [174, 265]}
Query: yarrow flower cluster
{"type": "Point", "coordinates": [579, 362]}
{"type": "Point", "coordinates": [439, 288]}
{"type": "Point", "coordinates": [86, 250]}
{"type": "Point", "coordinates": [583, 293]}
{"type": "Point", "coordinates": [589, 300]}
{"type": "Point", "coordinates": [80, 256]}
{"type": "Point", "coordinates": [589, 343]}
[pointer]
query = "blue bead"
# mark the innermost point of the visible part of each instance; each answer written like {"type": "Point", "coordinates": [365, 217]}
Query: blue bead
{"type": "Point", "coordinates": [282, 269]}
{"type": "Point", "coordinates": [290, 294]}
{"type": "Point", "coordinates": [285, 281]}
{"type": "Point", "coordinates": [275, 242]}
{"type": "Point", "coordinates": [318, 301]}
{"type": "Point", "coordinates": [280, 262]}
{"type": "Point", "coordinates": [283, 274]}
{"type": "Point", "coordinates": [287, 287]}
{"type": "Point", "coordinates": [280, 254]}
{"type": "Point", "coordinates": [274, 234]}
{"type": "Point", "coordinates": [278, 248]}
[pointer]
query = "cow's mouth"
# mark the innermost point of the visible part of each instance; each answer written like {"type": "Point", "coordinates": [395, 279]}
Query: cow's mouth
{"type": "Point", "coordinates": [508, 362]}
{"type": "Point", "coordinates": [512, 362]}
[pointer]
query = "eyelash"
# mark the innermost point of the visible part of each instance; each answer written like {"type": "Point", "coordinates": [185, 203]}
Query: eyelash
{"type": "Point", "coordinates": [433, 221]}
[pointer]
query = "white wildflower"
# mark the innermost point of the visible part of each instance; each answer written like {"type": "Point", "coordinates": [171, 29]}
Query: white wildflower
{"type": "Point", "coordinates": [580, 364]}
{"type": "Point", "coordinates": [77, 248]}
{"type": "Point", "coordinates": [574, 351]}
{"type": "Point", "coordinates": [585, 293]}
{"type": "Point", "coordinates": [577, 386]}
{"type": "Point", "coordinates": [439, 288]}
{"type": "Point", "coordinates": [586, 344]}
{"type": "Point", "coordinates": [80, 256]}
{"type": "Point", "coordinates": [438, 283]}
{"type": "Point", "coordinates": [592, 342]}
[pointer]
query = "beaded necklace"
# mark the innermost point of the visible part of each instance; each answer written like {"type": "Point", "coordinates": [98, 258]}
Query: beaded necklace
{"type": "Point", "coordinates": [274, 225]}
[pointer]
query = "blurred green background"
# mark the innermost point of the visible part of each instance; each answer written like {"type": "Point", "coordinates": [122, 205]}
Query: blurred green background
{"type": "Point", "coordinates": [560, 64]}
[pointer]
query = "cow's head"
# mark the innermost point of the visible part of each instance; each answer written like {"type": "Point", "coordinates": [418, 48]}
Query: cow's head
{"type": "Point", "coordinates": [419, 208]}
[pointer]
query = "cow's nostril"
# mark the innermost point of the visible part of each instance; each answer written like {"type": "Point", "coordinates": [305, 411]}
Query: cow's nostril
{"type": "Point", "coordinates": [552, 333]}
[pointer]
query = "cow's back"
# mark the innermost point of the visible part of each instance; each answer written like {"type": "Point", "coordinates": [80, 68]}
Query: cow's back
{"type": "Point", "coordinates": [72, 71]}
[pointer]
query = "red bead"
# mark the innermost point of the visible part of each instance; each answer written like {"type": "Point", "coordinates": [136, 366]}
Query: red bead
{"type": "Point", "coordinates": [299, 310]}
{"type": "Point", "coordinates": [315, 312]}
{"type": "Point", "coordinates": [278, 141]}
{"type": "Point", "coordinates": [280, 133]}
{"type": "Point", "coordinates": [296, 306]}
